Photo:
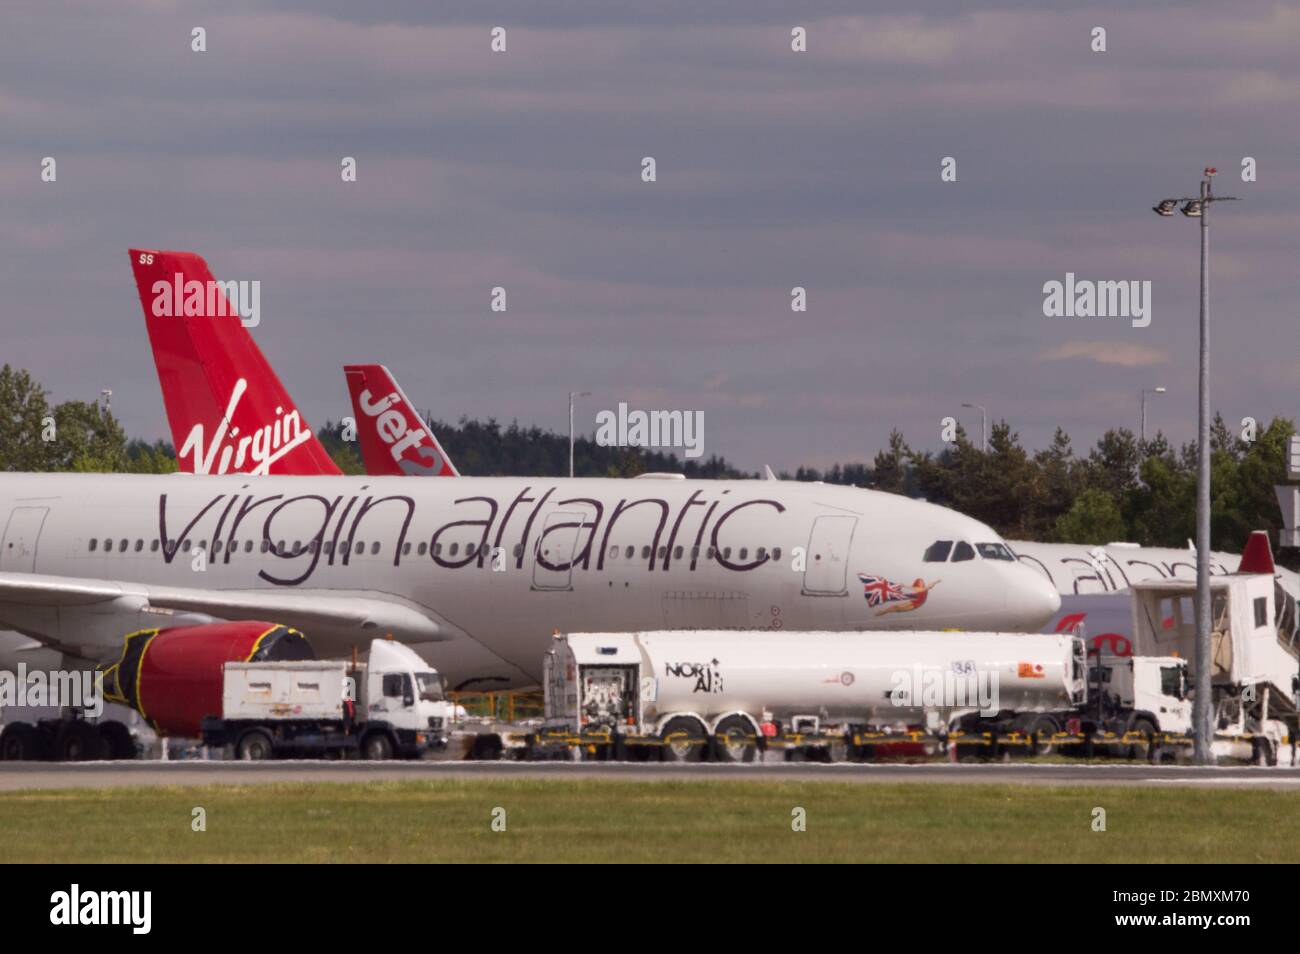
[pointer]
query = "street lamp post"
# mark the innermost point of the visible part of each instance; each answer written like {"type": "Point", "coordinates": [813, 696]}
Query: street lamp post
{"type": "Point", "coordinates": [572, 395]}
{"type": "Point", "coordinates": [984, 425]}
{"type": "Point", "coordinates": [1145, 392]}
{"type": "Point", "coordinates": [1201, 706]}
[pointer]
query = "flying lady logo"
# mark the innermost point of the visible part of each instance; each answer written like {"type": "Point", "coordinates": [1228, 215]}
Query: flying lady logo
{"type": "Point", "coordinates": [894, 597]}
{"type": "Point", "coordinates": [260, 449]}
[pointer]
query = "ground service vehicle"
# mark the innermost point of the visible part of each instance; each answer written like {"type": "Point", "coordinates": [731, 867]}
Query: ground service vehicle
{"type": "Point", "coordinates": [689, 695]}
{"type": "Point", "coordinates": [393, 707]}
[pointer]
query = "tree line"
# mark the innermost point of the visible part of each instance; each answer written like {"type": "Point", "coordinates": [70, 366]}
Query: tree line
{"type": "Point", "coordinates": [1121, 489]}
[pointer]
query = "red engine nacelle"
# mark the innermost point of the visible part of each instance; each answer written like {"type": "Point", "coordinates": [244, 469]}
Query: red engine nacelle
{"type": "Point", "coordinates": [172, 677]}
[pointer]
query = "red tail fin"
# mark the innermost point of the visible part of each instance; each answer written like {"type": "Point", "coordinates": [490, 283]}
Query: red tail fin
{"type": "Point", "coordinates": [394, 439]}
{"type": "Point", "coordinates": [1258, 555]}
{"type": "Point", "coordinates": [228, 411]}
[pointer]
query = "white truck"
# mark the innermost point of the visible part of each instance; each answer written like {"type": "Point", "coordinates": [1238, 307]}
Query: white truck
{"type": "Point", "coordinates": [726, 695]}
{"type": "Point", "coordinates": [392, 706]}
{"type": "Point", "coordinates": [1255, 658]}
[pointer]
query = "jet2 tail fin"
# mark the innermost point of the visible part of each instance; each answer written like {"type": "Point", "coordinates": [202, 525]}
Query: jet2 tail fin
{"type": "Point", "coordinates": [394, 439]}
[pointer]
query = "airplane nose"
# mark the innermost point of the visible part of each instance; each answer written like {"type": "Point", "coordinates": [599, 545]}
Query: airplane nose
{"type": "Point", "coordinates": [1031, 600]}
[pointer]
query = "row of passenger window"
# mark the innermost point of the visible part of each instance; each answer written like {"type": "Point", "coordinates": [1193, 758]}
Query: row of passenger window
{"type": "Point", "coordinates": [471, 550]}
{"type": "Point", "coordinates": [124, 545]}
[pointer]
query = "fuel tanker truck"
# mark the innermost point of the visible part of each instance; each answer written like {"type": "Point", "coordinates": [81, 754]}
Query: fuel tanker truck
{"type": "Point", "coordinates": [724, 694]}
{"type": "Point", "coordinates": [254, 688]}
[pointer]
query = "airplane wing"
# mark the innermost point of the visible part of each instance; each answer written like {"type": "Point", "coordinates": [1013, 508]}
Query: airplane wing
{"type": "Point", "coordinates": [45, 606]}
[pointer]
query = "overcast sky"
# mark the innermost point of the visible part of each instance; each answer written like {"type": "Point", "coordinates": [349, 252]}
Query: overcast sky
{"type": "Point", "coordinates": [775, 169]}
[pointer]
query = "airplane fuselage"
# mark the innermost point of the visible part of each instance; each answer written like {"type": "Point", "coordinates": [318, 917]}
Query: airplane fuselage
{"type": "Point", "coordinates": [499, 563]}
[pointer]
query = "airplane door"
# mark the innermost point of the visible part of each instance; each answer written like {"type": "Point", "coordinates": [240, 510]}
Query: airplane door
{"type": "Point", "coordinates": [827, 570]}
{"type": "Point", "coordinates": [18, 549]}
{"type": "Point", "coordinates": [555, 549]}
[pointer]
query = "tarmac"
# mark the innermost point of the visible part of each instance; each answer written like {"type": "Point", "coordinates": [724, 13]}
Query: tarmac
{"type": "Point", "coordinates": [18, 776]}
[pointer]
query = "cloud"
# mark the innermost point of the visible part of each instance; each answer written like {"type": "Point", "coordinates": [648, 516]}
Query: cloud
{"type": "Point", "coordinates": [1122, 354]}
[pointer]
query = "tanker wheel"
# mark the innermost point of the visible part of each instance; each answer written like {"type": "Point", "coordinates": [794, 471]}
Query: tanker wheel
{"type": "Point", "coordinates": [117, 740]}
{"type": "Point", "coordinates": [254, 746]}
{"type": "Point", "coordinates": [684, 740]}
{"type": "Point", "coordinates": [21, 742]}
{"type": "Point", "coordinates": [1039, 729]}
{"type": "Point", "coordinates": [78, 741]}
{"type": "Point", "coordinates": [377, 747]}
{"type": "Point", "coordinates": [734, 740]}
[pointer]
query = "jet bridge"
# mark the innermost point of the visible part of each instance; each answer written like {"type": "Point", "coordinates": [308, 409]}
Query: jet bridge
{"type": "Point", "coordinates": [1254, 648]}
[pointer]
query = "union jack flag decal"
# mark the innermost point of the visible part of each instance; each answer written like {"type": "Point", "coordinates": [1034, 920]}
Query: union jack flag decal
{"type": "Point", "coordinates": [879, 590]}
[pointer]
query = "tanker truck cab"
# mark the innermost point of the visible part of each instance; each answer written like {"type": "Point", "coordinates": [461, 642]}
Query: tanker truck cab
{"type": "Point", "coordinates": [408, 697]}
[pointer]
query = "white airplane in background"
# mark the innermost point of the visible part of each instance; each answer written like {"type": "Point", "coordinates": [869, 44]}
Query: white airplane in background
{"type": "Point", "coordinates": [1093, 581]}
{"type": "Point", "coordinates": [475, 572]}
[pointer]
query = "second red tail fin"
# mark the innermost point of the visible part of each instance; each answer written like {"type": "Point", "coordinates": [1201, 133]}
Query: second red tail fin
{"type": "Point", "coordinates": [1257, 557]}
{"type": "Point", "coordinates": [394, 438]}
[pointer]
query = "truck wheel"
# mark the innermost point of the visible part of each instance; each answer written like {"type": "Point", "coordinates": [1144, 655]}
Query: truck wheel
{"type": "Point", "coordinates": [78, 741]}
{"type": "Point", "coordinates": [117, 741]}
{"type": "Point", "coordinates": [1262, 752]}
{"type": "Point", "coordinates": [1149, 749]}
{"type": "Point", "coordinates": [683, 739]}
{"type": "Point", "coordinates": [254, 746]}
{"type": "Point", "coordinates": [734, 740]}
{"type": "Point", "coordinates": [377, 747]}
{"type": "Point", "coordinates": [21, 742]}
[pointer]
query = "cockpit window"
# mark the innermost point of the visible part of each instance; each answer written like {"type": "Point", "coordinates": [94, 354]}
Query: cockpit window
{"type": "Point", "coordinates": [995, 551]}
{"type": "Point", "coordinates": [938, 551]}
{"type": "Point", "coordinates": [963, 551]}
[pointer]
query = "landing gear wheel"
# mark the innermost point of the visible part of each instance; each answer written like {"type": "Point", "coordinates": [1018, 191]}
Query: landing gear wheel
{"type": "Point", "coordinates": [78, 741]}
{"type": "Point", "coordinates": [684, 740]}
{"type": "Point", "coordinates": [21, 742]}
{"type": "Point", "coordinates": [254, 746]}
{"type": "Point", "coordinates": [377, 747]}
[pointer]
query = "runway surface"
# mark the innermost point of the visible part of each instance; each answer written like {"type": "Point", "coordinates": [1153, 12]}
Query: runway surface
{"type": "Point", "coordinates": [16, 776]}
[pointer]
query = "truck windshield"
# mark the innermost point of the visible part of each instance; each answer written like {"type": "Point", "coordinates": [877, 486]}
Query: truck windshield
{"type": "Point", "coordinates": [430, 684]}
